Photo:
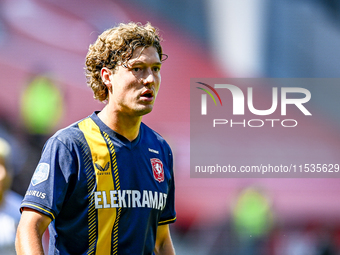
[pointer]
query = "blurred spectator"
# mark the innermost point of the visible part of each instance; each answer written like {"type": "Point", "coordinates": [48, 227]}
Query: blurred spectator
{"type": "Point", "coordinates": [326, 244]}
{"type": "Point", "coordinates": [41, 106]}
{"type": "Point", "coordinates": [9, 203]}
{"type": "Point", "coordinates": [252, 219]}
{"type": "Point", "coordinates": [300, 243]}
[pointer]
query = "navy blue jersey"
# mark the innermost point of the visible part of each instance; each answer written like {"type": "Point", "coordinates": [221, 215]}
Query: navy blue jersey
{"type": "Point", "coordinates": [104, 194]}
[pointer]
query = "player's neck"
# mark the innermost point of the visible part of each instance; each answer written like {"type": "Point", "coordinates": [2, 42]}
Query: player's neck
{"type": "Point", "coordinates": [124, 125]}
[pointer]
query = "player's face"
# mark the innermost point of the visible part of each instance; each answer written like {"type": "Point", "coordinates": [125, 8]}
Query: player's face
{"type": "Point", "coordinates": [136, 84]}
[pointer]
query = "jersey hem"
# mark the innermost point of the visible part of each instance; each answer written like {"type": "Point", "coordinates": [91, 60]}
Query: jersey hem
{"type": "Point", "coordinates": [37, 208]}
{"type": "Point", "coordinates": [167, 221]}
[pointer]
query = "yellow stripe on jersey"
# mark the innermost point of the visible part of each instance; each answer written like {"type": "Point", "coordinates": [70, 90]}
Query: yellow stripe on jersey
{"type": "Point", "coordinates": [166, 221]}
{"type": "Point", "coordinates": [102, 164]}
{"type": "Point", "coordinates": [116, 175]}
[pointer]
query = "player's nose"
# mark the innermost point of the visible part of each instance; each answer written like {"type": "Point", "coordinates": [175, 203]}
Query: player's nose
{"type": "Point", "coordinates": [149, 77]}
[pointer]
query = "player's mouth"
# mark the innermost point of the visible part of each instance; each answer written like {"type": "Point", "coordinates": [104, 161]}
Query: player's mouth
{"type": "Point", "coordinates": [147, 95]}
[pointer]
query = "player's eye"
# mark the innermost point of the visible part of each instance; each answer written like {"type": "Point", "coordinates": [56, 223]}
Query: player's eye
{"type": "Point", "coordinates": [136, 69]}
{"type": "Point", "coordinates": [156, 69]}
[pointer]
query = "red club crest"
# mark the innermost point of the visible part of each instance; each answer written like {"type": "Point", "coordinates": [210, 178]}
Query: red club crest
{"type": "Point", "coordinates": [157, 169]}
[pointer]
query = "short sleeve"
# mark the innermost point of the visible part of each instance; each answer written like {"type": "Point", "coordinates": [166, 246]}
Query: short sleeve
{"type": "Point", "coordinates": [169, 214]}
{"type": "Point", "coordinates": [49, 184]}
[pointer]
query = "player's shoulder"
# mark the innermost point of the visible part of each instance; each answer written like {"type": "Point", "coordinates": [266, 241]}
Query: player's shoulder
{"type": "Point", "coordinates": [69, 135]}
{"type": "Point", "coordinates": [152, 135]}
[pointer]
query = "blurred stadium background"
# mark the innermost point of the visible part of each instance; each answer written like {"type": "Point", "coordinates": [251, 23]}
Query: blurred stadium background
{"type": "Point", "coordinates": [43, 44]}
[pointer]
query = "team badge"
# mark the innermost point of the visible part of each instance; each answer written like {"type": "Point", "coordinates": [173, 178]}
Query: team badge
{"type": "Point", "coordinates": [157, 169]}
{"type": "Point", "coordinates": [41, 173]}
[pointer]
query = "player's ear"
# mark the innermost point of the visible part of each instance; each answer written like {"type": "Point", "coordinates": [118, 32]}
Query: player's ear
{"type": "Point", "coordinates": [105, 73]}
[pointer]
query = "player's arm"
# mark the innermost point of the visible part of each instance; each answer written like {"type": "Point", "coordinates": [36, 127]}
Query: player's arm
{"type": "Point", "coordinates": [31, 227]}
{"type": "Point", "coordinates": [164, 244]}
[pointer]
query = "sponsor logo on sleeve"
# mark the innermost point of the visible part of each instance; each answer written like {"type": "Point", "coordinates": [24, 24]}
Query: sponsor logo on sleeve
{"type": "Point", "coordinates": [41, 173]}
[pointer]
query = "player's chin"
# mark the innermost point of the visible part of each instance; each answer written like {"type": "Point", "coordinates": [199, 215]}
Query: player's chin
{"type": "Point", "coordinates": [145, 109]}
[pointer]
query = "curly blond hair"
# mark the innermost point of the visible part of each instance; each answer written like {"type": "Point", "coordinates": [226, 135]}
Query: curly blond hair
{"type": "Point", "coordinates": [114, 47]}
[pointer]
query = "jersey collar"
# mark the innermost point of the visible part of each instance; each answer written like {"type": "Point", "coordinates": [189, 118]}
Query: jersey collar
{"type": "Point", "coordinates": [115, 135]}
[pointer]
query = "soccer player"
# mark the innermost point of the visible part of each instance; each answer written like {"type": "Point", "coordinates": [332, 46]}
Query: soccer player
{"type": "Point", "coordinates": [105, 184]}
